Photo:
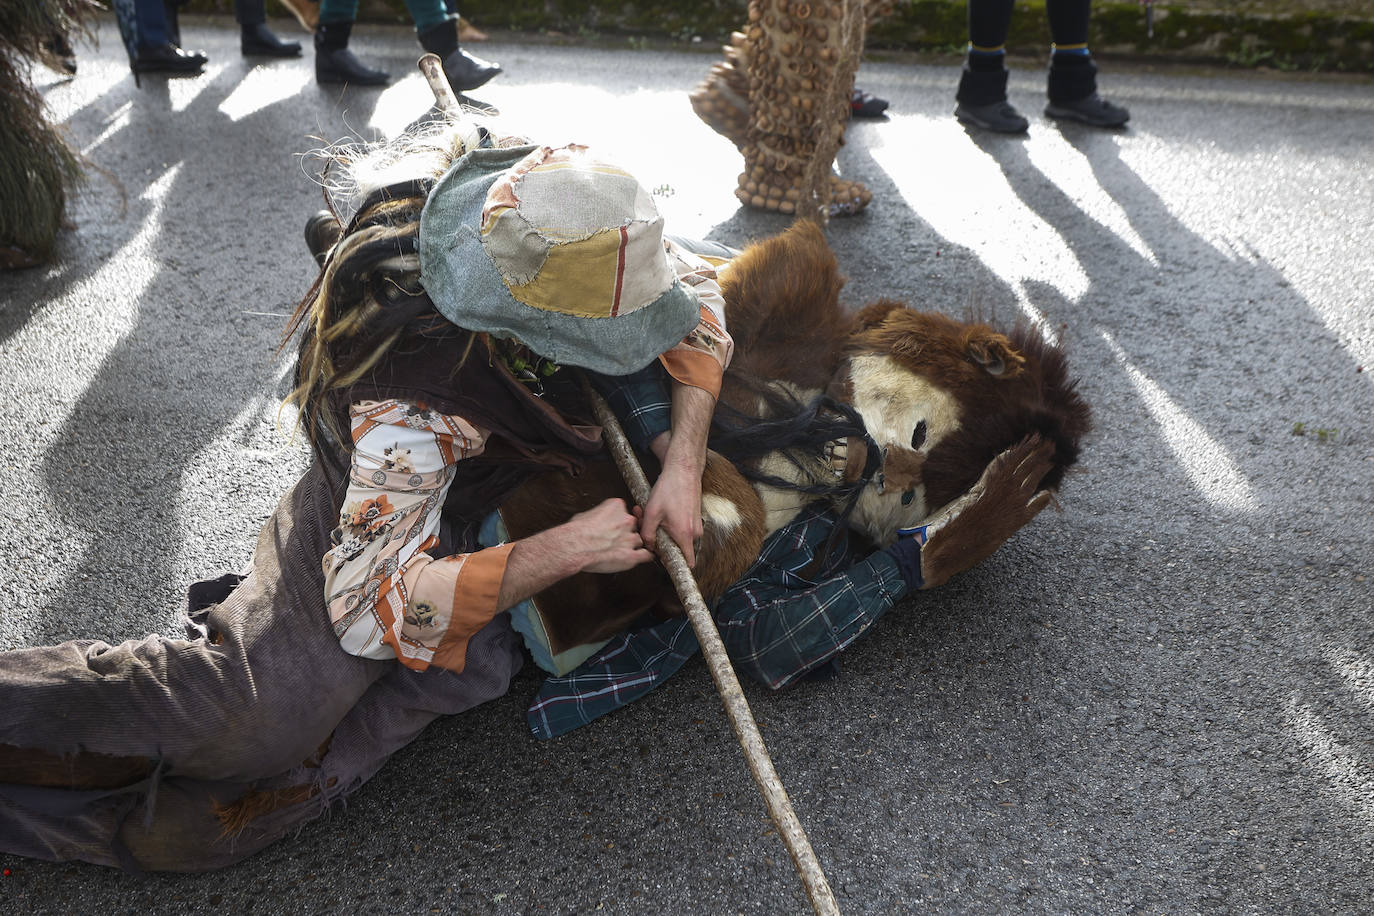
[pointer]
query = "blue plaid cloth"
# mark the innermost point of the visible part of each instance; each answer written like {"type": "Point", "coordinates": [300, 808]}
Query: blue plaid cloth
{"type": "Point", "coordinates": [781, 621]}
{"type": "Point", "coordinates": [639, 400]}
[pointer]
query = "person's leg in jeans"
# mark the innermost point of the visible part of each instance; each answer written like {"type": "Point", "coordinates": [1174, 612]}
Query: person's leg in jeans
{"type": "Point", "coordinates": [334, 62]}
{"type": "Point", "coordinates": [436, 27]}
{"type": "Point", "coordinates": [159, 42]}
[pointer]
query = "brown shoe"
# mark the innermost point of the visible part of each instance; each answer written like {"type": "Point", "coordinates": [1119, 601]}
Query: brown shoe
{"type": "Point", "coordinates": [469, 32]}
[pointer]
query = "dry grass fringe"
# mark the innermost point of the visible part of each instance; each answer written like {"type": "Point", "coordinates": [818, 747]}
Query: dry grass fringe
{"type": "Point", "coordinates": [38, 168]}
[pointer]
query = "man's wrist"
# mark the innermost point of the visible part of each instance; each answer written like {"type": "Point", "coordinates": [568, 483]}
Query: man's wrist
{"type": "Point", "coordinates": [560, 549]}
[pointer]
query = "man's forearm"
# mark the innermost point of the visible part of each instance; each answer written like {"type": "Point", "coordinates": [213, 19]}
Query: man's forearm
{"type": "Point", "coordinates": [686, 441]}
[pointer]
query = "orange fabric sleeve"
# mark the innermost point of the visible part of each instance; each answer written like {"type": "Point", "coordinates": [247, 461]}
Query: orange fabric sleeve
{"type": "Point", "coordinates": [463, 589]}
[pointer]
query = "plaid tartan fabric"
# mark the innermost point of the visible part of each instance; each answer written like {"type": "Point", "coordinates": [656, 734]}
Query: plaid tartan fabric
{"type": "Point", "coordinates": [777, 625]}
{"type": "Point", "coordinates": [639, 400]}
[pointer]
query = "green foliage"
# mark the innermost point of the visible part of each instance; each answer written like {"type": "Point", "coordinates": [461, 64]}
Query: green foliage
{"type": "Point", "coordinates": [1323, 433]}
{"type": "Point", "coordinates": [1222, 33]}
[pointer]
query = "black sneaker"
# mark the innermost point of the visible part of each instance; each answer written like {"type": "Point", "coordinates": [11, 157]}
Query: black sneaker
{"type": "Point", "coordinates": [866, 105]}
{"type": "Point", "coordinates": [1094, 111]}
{"type": "Point", "coordinates": [1001, 117]}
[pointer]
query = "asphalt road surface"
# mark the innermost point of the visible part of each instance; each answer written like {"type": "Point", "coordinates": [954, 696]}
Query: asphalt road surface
{"type": "Point", "coordinates": [1159, 699]}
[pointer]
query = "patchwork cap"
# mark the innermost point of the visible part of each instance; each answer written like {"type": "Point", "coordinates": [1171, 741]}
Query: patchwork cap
{"type": "Point", "coordinates": [558, 249]}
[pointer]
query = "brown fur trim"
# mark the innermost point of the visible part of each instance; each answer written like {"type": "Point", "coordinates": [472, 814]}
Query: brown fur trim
{"type": "Point", "coordinates": [725, 554]}
{"type": "Point", "coordinates": [1042, 399]}
{"type": "Point", "coordinates": [236, 816]}
{"type": "Point", "coordinates": [1005, 499]}
{"type": "Point", "coordinates": [782, 309]}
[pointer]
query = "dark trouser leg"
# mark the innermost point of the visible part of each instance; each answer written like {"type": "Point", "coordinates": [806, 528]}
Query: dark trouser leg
{"type": "Point", "coordinates": [250, 12]}
{"type": "Point", "coordinates": [171, 10]}
{"type": "Point", "coordinates": [152, 22]}
{"type": "Point", "coordinates": [988, 22]}
{"type": "Point", "coordinates": [256, 702]}
{"type": "Point", "coordinates": [427, 14]}
{"type": "Point", "coordinates": [984, 78]}
{"type": "Point", "coordinates": [196, 825]}
{"type": "Point", "coordinates": [1069, 21]}
{"type": "Point", "coordinates": [1073, 75]}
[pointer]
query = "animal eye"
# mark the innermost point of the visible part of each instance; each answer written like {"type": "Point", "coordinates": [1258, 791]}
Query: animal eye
{"type": "Point", "coordinates": [918, 435]}
{"type": "Point", "coordinates": [908, 497]}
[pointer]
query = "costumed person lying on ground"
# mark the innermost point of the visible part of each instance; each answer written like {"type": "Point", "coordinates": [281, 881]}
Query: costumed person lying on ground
{"type": "Point", "coordinates": [369, 610]}
{"type": "Point", "coordinates": [192, 754]}
{"type": "Point", "coordinates": [888, 450]}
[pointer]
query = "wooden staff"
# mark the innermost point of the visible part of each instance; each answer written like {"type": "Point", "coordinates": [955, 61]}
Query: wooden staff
{"type": "Point", "coordinates": [727, 684]}
{"type": "Point", "coordinates": [433, 69]}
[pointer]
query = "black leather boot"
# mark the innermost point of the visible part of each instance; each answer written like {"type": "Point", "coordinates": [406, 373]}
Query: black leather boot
{"type": "Point", "coordinates": [168, 58]}
{"type": "Point", "coordinates": [464, 71]}
{"type": "Point", "coordinates": [258, 39]}
{"type": "Point", "coordinates": [334, 63]}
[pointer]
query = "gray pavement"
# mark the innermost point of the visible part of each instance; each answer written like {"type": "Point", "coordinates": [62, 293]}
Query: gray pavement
{"type": "Point", "coordinates": [1159, 699]}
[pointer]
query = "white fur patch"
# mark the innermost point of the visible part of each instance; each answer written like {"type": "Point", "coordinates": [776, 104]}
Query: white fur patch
{"type": "Point", "coordinates": [721, 513]}
{"type": "Point", "coordinates": [780, 505]}
{"type": "Point", "coordinates": [892, 400]}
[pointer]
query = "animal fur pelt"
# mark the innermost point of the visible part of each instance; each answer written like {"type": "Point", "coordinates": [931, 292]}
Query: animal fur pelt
{"type": "Point", "coordinates": [888, 413]}
{"type": "Point", "coordinates": [37, 166]}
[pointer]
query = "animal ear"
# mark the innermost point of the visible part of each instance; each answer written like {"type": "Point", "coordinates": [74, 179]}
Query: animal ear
{"type": "Point", "coordinates": [870, 316]}
{"type": "Point", "coordinates": [995, 354]}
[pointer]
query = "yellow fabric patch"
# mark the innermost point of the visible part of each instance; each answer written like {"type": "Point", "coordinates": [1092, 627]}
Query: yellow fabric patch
{"type": "Point", "coordinates": [580, 280]}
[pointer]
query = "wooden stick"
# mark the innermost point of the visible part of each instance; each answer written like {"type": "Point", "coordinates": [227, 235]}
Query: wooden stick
{"type": "Point", "coordinates": [433, 69]}
{"type": "Point", "coordinates": [727, 684]}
